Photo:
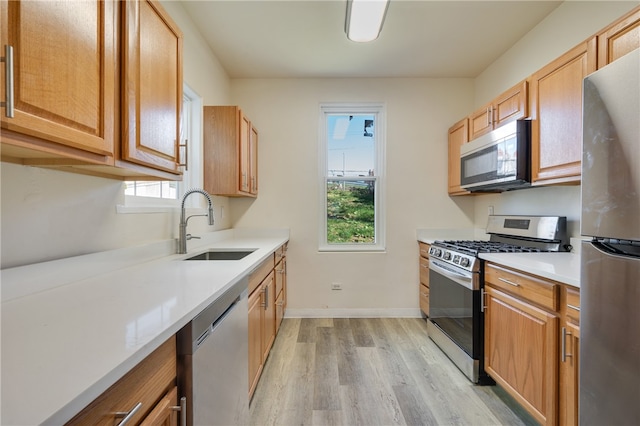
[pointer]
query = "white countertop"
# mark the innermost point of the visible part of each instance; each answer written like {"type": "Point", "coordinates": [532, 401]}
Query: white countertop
{"type": "Point", "coordinates": [63, 346]}
{"type": "Point", "coordinates": [561, 267]}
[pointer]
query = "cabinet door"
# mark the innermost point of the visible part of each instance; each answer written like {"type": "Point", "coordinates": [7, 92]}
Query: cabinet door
{"type": "Point", "coordinates": [280, 290]}
{"type": "Point", "coordinates": [255, 338]}
{"type": "Point", "coordinates": [569, 371]}
{"type": "Point", "coordinates": [245, 148]}
{"type": "Point", "coordinates": [619, 38]}
{"type": "Point", "coordinates": [163, 413]}
{"type": "Point", "coordinates": [556, 110]}
{"type": "Point", "coordinates": [521, 347]}
{"type": "Point", "coordinates": [480, 122]}
{"type": "Point", "coordinates": [458, 135]}
{"type": "Point", "coordinates": [511, 105]}
{"type": "Point", "coordinates": [63, 74]}
{"type": "Point", "coordinates": [253, 160]}
{"type": "Point", "coordinates": [151, 86]}
{"type": "Point", "coordinates": [269, 322]}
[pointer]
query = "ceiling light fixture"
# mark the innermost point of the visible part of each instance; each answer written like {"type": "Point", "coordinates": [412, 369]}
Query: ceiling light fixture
{"type": "Point", "coordinates": [364, 19]}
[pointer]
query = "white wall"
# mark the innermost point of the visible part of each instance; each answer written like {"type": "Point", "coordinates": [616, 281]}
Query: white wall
{"type": "Point", "coordinates": [571, 23]}
{"type": "Point", "coordinates": [419, 112]}
{"type": "Point", "coordinates": [46, 214]}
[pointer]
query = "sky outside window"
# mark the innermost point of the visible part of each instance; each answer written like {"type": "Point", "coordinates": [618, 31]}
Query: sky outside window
{"type": "Point", "coordinates": [351, 145]}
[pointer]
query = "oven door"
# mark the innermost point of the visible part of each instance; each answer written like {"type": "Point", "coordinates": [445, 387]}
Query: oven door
{"type": "Point", "coordinates": [454, 305]}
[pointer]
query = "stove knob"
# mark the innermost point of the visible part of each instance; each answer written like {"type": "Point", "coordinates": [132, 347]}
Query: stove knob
{"type": "Point", "coordinates": [447, 255]}
{"type": "Point", "coordinates": [432, 251]}
{"type": "Point", "coordinates": [437, 252]}
{"type": "Point", "coordinates": [456, 259]}
{"type": "Point", "coordinates": [464, 262]}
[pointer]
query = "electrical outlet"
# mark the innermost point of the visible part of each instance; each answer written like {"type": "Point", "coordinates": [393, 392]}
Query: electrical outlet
{"type": "Point", "coordinates": [336, 286]}
{"type": "Point", "coordinates": [221, 212]}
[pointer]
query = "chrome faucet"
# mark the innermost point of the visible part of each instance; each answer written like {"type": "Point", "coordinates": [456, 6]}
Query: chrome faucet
{"type": "Point", "coordinates": [182, 239]}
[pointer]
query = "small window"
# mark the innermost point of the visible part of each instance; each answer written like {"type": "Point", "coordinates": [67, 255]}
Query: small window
{"type": "Point", "coordinates": [352, 169]}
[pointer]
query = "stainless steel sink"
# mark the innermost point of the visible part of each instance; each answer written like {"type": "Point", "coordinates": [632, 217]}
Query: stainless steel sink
{"type": "Point", "coordinates": [221, 255]}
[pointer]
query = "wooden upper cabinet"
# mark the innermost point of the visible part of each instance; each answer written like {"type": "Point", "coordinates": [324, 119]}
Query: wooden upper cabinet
{"type": "Point", "coordinates": [510, 105]}
{"type": "Point", "coordinates": [230, 152]}
{"type": "Point", "coordinates": [151, 86]}
{"type": "Point", "coordinates": [619, 38]}
{"type": "Point", "coordinates": [253, 161]}
{"type": "Point", "coordinates": [63, 77]}
{"type": "Point", "coordinates": [458, 135]}
{"type": "Point", "coordinates": [556, 112]}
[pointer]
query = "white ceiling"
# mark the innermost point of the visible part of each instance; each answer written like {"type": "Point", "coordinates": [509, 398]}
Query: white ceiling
{"type": "Point", "coordinates": [305, 38]}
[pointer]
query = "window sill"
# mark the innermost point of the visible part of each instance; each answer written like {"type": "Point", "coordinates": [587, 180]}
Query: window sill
{"type": "Point", "coordinates": [122, 209]}
{"type": "Point", "coordinates": [352, 249]}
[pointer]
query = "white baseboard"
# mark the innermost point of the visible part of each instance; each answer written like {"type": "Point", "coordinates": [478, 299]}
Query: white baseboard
{"type": "Point", "coordinates": [354, 313]}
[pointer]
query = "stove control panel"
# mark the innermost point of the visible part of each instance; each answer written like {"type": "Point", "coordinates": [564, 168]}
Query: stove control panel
{"type": "Point", "coordinates": [453, 257]}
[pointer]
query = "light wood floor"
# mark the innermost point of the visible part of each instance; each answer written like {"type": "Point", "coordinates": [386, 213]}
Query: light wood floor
{"type": "Point", "coordinates": [379, 371]}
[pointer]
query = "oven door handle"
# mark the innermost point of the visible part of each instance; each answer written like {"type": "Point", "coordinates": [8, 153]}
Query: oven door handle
{"type": "Point", "coordinates": [462, 279]}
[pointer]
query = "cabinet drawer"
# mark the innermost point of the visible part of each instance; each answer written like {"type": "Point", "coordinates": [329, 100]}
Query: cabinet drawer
{"type": "Point", "coordinates": [539, 291]}
{"type": "Point", "coordinates": [424, 271]}
{"type": "Point", "coordinates": [147, 383]}
{"type": "Point", "coordinates": [260, 273]}
{"type": "Point", "coordinates": [424, 249]}
{"type": "Point", "coordinates": [424, 299]}
{"type": "Point", "coordinates": [573, 305]}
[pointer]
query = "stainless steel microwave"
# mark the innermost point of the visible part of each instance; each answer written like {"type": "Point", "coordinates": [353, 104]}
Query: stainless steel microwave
{"type": "Point", "coordinates": [499, 160]}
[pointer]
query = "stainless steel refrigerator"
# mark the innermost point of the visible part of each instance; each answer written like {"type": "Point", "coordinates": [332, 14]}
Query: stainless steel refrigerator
{"type": "Point", "coordinates": [610, 268]}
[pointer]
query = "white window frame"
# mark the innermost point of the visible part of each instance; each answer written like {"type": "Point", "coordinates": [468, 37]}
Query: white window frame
{"type": "Point", "coordinates": [191, 176]}
{"type": "Point", "coordinates": [378, 110]}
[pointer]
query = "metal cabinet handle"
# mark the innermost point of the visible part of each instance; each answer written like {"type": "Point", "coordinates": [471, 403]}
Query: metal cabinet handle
{"type": "Point", "coordinates": [265, 291]}
{"type": "Point", "coordinates": [504, 280]}
{"type": "Point", "coordinates": [8, 82]}
{"type": "Point", "coordinates": [186, 154]}
{"type": "Point", "coordinates": [575, 308]}
{"type": "Point", "coordinates": [127, 415]}
{"type": "Point", "coordinates": [564, 355]}
{"type": "Point", "coordinates": [254, 187]}
{"type": "Point", "coordinates": [483, 306]}
{"type": "Point", "coordinates": [244, 179]}
{"type": "Point", "coordinates": [182, 408]}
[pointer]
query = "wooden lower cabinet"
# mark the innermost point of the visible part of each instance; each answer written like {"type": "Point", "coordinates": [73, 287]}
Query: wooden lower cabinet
{"type": "Point", "coordinates": [267, 303]}
{"type": "Point", "coordinates": [569, 357]}
{"type": "Point", "coordinates": [255, 339]}
{"type": "Point", "coordinates": [281, 289]}
{"type": "Point", "coordinates": [532, 337]}
{"type": "Point", "coordinates": [151, 384]}
{"type": "Point", "coordinates": [521, 345]}
{"type": "Point", "coordinates": [269, 318]}
{"type": "Point", "coordinates": [424, 277]}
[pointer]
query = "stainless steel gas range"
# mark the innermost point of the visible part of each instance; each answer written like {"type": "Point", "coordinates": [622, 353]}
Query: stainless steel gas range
{"type": "Point", "coordinates": [456, 283]}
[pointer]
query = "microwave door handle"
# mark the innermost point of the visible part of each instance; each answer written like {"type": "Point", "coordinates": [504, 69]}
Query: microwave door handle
{"type": "Point", "coordinates": [461, 279]}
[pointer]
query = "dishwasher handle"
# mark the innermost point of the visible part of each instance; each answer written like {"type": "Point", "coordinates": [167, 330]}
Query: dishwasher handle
{"type": "Point", "coordinates": [200, 340]}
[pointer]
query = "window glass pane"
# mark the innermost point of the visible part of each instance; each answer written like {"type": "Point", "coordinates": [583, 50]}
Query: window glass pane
{"type": "Point", "coordinates": [130, 188]}
{"type": "Point", "coordinates": [169, 190]}
{"type": "Point", "coordinates": [350, 145]}
{"type": "Point", "coordinates": [350, 211]}
{"type": "Point", "coordinates": [148, 189]}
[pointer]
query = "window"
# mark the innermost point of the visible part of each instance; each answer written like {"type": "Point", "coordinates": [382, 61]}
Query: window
{"type": "Point", "coordinates": [160, 195]}
{"type": "Point", "coordinates": [352, 177]}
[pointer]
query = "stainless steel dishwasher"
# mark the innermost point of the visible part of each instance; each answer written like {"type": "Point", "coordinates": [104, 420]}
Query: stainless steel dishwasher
{"type": "Point", "coordinates": [213, 361]}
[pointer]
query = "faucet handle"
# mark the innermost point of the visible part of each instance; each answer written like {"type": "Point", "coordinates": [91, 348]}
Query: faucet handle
{"type": "Point", "coordinates": [192, 237]}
